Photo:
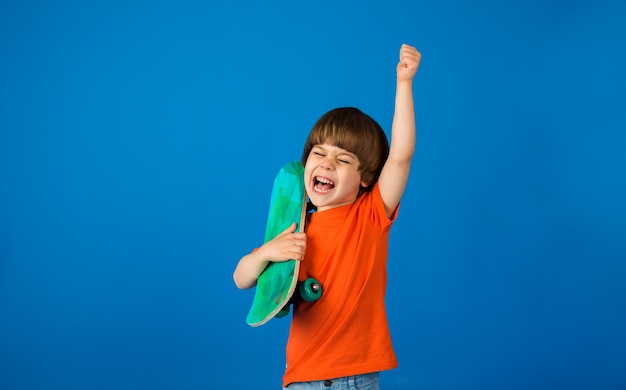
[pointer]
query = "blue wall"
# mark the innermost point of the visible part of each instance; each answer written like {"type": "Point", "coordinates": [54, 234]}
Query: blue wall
{"type": "Point", "coordinates": [139, 140]}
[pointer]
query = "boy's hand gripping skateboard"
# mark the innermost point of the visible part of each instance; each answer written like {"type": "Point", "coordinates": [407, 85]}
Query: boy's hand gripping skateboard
{"type": "Point", "coordinates": [277, 286]}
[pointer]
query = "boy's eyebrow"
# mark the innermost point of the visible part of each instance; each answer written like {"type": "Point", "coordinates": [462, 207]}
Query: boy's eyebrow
{"type": "Point", "coordinates": [341, 153]}
{"type": "Point", "coordinates": [347, 154]}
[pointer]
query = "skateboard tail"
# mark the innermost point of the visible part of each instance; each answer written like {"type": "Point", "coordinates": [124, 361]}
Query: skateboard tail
{"type": "Point", "coordinates": [275, 292]}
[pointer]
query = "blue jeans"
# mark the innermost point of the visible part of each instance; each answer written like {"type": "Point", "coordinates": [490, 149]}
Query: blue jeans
{"type": "Point", "coordinates": [359, 382]}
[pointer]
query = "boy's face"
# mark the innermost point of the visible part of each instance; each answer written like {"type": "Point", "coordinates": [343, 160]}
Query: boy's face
{"type": "Point", "coordinates": [331, 176]}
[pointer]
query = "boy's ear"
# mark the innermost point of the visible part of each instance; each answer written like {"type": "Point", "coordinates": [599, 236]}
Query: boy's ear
{"type": "Point", "coordinates": [364, 184]}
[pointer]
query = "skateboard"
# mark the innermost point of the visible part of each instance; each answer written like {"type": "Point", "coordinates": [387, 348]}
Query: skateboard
{"type": "Point", "coordinates": [277, 286]}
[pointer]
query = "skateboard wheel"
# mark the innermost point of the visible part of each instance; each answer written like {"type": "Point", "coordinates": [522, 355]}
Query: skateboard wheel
{"type": "Point", "coordinates": [311, 290]}
{"type": "Point", "coordinates": [283, 312]}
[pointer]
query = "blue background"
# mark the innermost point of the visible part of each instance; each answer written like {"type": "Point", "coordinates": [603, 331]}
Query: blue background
{"type": "Point", "coordinates": [139, 140]}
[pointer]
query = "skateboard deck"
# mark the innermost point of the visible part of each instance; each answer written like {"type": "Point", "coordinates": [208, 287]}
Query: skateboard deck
{"type": "Point", "coordinates": [277, 283]}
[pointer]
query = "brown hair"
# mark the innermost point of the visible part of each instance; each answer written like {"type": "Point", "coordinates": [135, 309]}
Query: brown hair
{"type": "Point", "coordinates": [351, 129]}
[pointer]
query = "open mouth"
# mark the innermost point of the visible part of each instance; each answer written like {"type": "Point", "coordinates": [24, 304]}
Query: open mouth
{"type": "Point", "coordinates": [322, 184]}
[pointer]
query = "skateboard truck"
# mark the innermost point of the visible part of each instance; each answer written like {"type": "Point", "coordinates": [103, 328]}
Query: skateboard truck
{"type": "Point", "coordinates": [310, 291]}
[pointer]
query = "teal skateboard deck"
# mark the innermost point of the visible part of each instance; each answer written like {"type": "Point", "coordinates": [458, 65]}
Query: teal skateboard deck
{"type": "Point", "coordinates": [277, 283]}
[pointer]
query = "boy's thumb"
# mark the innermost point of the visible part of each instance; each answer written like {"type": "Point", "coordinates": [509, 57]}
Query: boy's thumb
{"type": "Point", "coordinates": [290, 229]}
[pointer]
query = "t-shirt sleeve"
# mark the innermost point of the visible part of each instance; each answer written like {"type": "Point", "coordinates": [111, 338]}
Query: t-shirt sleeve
{"type": "Point", "coordinates": [378, 209]}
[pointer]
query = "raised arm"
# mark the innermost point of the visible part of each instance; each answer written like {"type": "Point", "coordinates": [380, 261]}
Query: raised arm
{"type": "Point", "coordinates": [395, 172]}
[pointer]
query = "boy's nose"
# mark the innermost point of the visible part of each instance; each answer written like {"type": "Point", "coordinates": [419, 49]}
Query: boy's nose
{"type": "Point", "coordinates": [327, 164]}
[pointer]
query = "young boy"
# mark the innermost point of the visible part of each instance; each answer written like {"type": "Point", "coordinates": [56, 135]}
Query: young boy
{"type": "Point", "coordinates": [355, 182]}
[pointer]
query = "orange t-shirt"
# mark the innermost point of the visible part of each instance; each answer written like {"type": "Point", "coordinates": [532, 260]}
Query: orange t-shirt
{"type": "Point", "coordinates": [345, 332]}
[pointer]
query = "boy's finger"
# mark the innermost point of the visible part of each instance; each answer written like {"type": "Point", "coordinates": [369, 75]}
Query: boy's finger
{"type": "Point", "coordinates": [290, 229]}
